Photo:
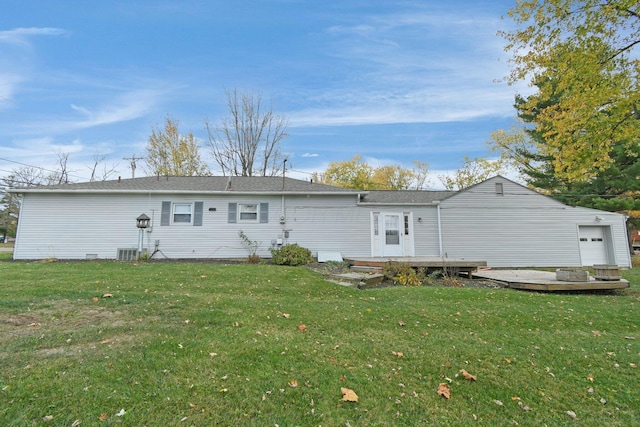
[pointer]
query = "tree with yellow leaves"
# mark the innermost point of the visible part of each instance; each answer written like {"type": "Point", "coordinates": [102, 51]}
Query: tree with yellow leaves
{"type": "Point", "coordinates": [170, 153]}
{"type": "Point", "coordinates": [585, 53]}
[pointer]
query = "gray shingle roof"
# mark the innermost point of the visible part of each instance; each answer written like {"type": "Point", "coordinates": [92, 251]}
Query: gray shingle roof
{"type": "Point", "coordinates": [200, 184]}
{"type": "Point", "coordinates": [405, 197]}
{"type": "Point", "coordinates": [237, 184]}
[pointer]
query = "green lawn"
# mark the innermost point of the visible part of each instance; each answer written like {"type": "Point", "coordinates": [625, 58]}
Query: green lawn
{"type": "Point", "coordinates": [208, 344]}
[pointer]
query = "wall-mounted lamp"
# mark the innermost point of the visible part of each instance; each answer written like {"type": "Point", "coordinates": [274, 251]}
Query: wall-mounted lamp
{"type": "Point", "coordinates": [420, 220]}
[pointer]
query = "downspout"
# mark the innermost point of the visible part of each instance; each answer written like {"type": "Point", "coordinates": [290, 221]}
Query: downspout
{"type": "Point", "coordinates": [437, 203]}
{"type": "Point", "coordinates": [282, 208]}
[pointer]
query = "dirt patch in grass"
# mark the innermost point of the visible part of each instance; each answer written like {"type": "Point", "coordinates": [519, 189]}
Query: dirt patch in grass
{"type": "Point", "coordinates": [61, 316]}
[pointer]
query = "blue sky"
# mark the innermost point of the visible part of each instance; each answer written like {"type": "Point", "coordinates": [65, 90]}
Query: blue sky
{"type": "Point", "coordinates": [393, 81]}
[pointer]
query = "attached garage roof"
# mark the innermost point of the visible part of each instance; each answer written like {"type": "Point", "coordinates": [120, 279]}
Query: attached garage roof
{"type": "Point", "coordinates": [404, 197]}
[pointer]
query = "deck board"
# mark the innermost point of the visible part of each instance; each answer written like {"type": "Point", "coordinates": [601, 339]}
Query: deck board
{"type": "Point", "coordinates": [536, 280]}
{"type": "Point", "coordinates": [426, 262]}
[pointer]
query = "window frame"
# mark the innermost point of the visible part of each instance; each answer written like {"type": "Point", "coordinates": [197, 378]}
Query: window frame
{"type": "Point", "coordinates": [255, 214]}
{"type": "Point", "coordinates": [174, 213]}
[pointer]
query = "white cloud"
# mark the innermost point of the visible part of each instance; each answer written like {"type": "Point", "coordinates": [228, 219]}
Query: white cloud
{"type": "Point", "coordinates": [17, 60]}
{"type": "Point", "coordinates": [310, 155]}
{"type": "Point", "coordinates": [401, 74]}
{"type": "Point", "coordinates": [126, 107]}
{"type": "Point", "coordinates": [21, 35]}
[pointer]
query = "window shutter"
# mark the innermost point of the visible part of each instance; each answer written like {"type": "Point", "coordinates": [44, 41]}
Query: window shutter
{"type": "Point", "coordinates": [264, 212]}
{"type": "Point", "coordinates": [233, 212]}
{"type": "Point", "coordinates": [165, 219]}
{"type": "Point", "coordinates": [197, 214]}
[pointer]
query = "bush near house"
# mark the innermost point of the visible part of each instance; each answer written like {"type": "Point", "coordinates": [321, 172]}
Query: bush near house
{"type": "Point", "coordinates": [292, 255]}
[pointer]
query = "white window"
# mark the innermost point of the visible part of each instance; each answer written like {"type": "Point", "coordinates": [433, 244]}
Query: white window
{"type": "Point", "coordinates": [248, 212]}
{"type": "Point", "coordinates": [182, 213]}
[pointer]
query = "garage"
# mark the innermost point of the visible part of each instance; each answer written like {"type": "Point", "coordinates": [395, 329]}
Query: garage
{"type": "Point", "coordinates": [595, 242]}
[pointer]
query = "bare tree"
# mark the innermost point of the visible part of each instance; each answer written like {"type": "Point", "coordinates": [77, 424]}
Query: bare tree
{"type": "Point", "coordinates": [247, 141]}
{"type": "Point", "coordinates": [61, 174]}
{"type": "Point", "coordinates": [105, 172]}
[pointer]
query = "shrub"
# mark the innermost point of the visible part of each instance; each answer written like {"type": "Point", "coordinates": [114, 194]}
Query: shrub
{"type": "Point", "coordinates": [291, 255]}
{"type": "Point", "coordinates": [402, 274]}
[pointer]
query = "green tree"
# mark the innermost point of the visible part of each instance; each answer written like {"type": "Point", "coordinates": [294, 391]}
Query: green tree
{"type": "Point", "coordinates": [354, 173]}
{"type": "Point", "coordinates": [9, 208]}
{"type": "Point", "coordinates": [173, 154]}
{"type": "Point", "coordinates": [474, 171]}
{"type": "Point", "coordinates": [358, 174]}
{"type": "Point", "coordinates": [247, 141]}
{"type": "Point", "coordinates": [584, 53]}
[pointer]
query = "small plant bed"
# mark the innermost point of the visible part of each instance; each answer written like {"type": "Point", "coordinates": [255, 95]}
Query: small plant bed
{"type": "Point", "coordinates": [398, 274]}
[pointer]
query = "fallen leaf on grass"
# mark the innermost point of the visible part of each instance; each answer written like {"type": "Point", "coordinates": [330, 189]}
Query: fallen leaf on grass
{"type": "Point", "coordinates": [596, 333]}
{"type": "Point", "coordinates": [302, 327]}
{"type": "Point", "coordinates": [348, 395]}
{"type": "Point", "coordinates": [444, 391]}
{"type": "Point", "coordinates": [499, 403]}
{"type": "Point", "coordinates": [95, 299]}
{"type": "Point", "coordinates": [571, 414]}
{"type": "Point", "coordinates": [47, 418]}
{"type": "Point", "coordinates": [76, 423]}
{"type": "Point", "coordinates": [590, 377]}
{"type": "Point", "coordinates": [524, 407]}
{"type": "Point", "coordinates": [33, 324]}
{"type": "Point", "coordinates": [397, 353]}
{"type": "Point", "coordinates": [293, 383]}
{"type": "Point", "coordinates": [468, 376]}
{"type": "Point", "coordinates": [103, 416]}
{"type": "Point", "coordinates": [286, 315]}
{"type": "Point", "coordinates": [121, 413]}
{"type": "Point", "coordinates": [107, 295]}
{"type": "Point", "coordinates": [402, 323]}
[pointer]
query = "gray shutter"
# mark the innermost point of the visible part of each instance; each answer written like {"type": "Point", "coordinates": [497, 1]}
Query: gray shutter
{"type": "Point", "coordinates": [264, 212]}
{"type": "Point", "coordinates": [197, 214]}
{"type": "Point", "coordinates": [165, 219]}
{"type": "Point", "coordinates": [233, 212]}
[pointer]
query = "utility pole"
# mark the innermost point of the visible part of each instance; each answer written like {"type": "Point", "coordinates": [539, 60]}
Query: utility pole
{"type": "Point", "coordinates": [133, 164]}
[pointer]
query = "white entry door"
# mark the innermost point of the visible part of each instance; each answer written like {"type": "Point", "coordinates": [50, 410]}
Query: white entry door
{"type": "Point", "coordinates": [593, 245]}
{"type": "Point", "coordinates": [392, 234]}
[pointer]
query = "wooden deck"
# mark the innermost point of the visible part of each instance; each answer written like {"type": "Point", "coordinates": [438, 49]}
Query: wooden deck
{"type": "Point", "coordinates": [451, 265]}
{"type": "Point", "coordinates": [535, 280]}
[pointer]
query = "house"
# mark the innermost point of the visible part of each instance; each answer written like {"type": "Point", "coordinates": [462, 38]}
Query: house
{"type": "Point", "coordinates": [497, 221]}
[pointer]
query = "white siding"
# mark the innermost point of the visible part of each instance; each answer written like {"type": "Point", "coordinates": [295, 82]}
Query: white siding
{"type": "Point", "coordinates": [521, 228]}
{"type": "Point", "coordinates": [74, 226]}
{"type": "Point", "coordinates": [329, 224]}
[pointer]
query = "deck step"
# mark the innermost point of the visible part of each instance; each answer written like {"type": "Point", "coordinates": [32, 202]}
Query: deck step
{"type": "Point", "coordinates": [361, 280]}
{"type": "Point", "coordinates": [365, 269]}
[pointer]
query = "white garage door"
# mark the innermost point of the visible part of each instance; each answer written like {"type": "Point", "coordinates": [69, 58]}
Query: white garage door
{"type": "Point", "coordinates": [593, 245]}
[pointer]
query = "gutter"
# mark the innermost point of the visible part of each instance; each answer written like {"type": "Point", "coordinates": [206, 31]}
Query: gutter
{"type": "Point", "coordinates": [173, 191]}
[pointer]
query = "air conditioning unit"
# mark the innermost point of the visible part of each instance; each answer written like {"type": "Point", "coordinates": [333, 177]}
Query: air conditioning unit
{"type": "Point", "coordinates": [127, 254]}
